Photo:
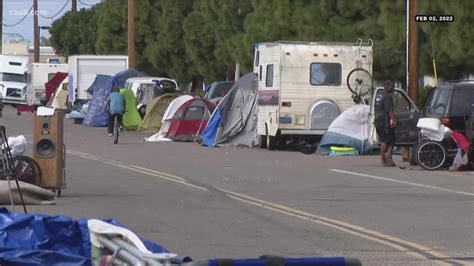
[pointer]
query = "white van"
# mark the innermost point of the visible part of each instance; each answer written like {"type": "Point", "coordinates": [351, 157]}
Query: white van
{"type": "Point", "coordinates": [39, 74]}
{"type": "Point", "coordinates": [302, 87]}
{"type": "Point", "coordinates": [14, 78]}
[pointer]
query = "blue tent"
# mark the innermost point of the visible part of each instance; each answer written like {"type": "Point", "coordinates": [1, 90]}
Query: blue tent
{"type": "Point", "coordinates": [96, 117]}
{"type": "Point", "coordinates": [209, 134]}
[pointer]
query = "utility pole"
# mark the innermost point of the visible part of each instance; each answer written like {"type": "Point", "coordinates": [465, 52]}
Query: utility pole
{"type": "Point", "coordinates": [74, 5]}
{"type": "Point", "coordinates": [1, 28]}
{"type": "Point", "coordinates": [413, 53]}
{"type": "Point", "coordinates": [131, 34]}
{"type": "Point", "coordinates": [35, 32]}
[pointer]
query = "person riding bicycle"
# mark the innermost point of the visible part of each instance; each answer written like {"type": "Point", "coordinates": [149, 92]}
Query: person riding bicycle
{"type": "Point", "coordinates": [115, 106]}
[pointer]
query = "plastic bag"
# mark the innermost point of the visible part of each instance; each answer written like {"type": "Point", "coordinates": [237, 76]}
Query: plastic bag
{"type": "Point", "coordinates": [17, 145]}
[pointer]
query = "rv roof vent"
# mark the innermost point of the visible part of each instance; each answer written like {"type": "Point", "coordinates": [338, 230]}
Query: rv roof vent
{"type": "Point", "coordinates": [15, 63]}
{"type": "Point", "coordinates": [315, 54]}
{"type": "Point", "coordinates": [335, 55]}
{"type": "Point", "coordinates": [325, 55]}
{"type": "Point", "coordinates": [287, 53]}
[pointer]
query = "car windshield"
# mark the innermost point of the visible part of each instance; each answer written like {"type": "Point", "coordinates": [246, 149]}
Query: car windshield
{"type": "Point", "coordinates": [13, 77]}
{"type": "Point", "coordinates": [219, 90]}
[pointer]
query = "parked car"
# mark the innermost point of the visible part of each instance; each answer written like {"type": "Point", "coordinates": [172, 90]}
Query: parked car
{"type": "Point", "coordinates": [450, 102]}
{"type": "Point", "coordinates": [218, 90]}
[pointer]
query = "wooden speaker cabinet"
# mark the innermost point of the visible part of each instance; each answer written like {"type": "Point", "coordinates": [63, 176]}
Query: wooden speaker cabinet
{"type": "Point", "coordinates": [48, 148]}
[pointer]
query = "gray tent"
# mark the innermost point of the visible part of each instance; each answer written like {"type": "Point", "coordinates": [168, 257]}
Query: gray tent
{"type": "Point", "coordinates": [234, 121]}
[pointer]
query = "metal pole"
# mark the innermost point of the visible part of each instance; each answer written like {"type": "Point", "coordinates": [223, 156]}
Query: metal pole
{"type": "Point", "coordinates": [413, 54]}
{"type": "Point", "coordinates": [35, 32]}
{"type": "Point", "coordinates": [121, 253]}
{"type": "Point", "coordinates": [237, 71]}
{"type": "Point", "coordinates": [131, 34]}
{"type": "Point", "coordinates": [1, 28]}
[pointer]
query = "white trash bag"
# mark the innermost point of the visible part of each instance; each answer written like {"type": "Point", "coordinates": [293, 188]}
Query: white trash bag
{"type": "Point", "coordinates": [17, 145]}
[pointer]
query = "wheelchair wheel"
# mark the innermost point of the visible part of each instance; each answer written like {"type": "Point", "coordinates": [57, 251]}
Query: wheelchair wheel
{"type": "Point", "coordinates": [27, 170]}
{"type": "Point", "coordinates": [431, 155]}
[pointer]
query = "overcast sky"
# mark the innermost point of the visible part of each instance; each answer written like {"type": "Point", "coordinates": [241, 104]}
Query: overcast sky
{"type": "Point", "coordinates": [15, 10]}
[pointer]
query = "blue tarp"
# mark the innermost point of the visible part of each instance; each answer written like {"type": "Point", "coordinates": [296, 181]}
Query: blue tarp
{"type": "Point", "coordinates": [210, 132]}
{"type": "Point", "coordinates": [47, 240]}
{"type": "Point", "coordinates": [96, 117]}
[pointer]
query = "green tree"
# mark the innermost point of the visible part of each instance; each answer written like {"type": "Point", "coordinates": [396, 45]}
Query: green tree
{"type": "Point", "coordinates": [75, 33]}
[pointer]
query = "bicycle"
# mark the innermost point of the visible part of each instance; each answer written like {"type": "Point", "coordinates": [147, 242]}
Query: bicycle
{"type": "Point", "coordinates": [116, 129]}
{"type": "Point", "coordinates": [359, 82]}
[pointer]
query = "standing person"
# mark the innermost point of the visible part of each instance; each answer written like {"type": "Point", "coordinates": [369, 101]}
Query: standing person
{"type": "Point", "coordinates": [115, 106]}
{"type": "Point", "coordinates": [385, 122]}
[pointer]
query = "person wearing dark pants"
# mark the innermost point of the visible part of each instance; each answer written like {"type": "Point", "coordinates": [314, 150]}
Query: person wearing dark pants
{"type": "Point", "coordinates": [385, 123]}
{"type": "Point", "coordinates": [115, 106]}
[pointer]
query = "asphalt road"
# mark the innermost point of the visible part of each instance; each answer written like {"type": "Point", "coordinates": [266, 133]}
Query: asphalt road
{"type": "Point", "coordinates": [216, 202]}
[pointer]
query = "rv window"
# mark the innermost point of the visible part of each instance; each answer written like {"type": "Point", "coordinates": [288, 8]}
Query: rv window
{"type": "Point", "coordinates": [260, 74]}
{"type": "Point", "coordinates": [257, 58]}
{"type": "Point", "coordinates": [325, 74]}
{"type": "Point", "coordinates": [269, 78]}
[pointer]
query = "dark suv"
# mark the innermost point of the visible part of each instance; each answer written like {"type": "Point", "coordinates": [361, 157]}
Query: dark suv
{"type": "Point", "coordinates": [450, 102]}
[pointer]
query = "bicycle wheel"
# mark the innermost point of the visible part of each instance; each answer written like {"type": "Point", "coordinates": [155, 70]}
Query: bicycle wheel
{"type": "Point", "coordinates": [359, 82]}
{"type": "Point", "coordinates": [431, 155]}
{"type": "Point", "coordinates": [116, 131]}
{"type": "Point", "coordinates": [26, 169]}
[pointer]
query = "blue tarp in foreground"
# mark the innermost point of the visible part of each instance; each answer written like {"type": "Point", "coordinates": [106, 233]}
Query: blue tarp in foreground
{"type": "Point", "coordinates": [47, 240]}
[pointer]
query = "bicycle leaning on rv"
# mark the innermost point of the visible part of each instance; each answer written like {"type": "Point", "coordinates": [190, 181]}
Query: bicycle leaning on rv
{"type": "Point", "coordinates": [304, 86]}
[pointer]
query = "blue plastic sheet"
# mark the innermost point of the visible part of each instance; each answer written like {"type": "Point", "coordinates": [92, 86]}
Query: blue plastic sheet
{"type": "Point", "coordinates": [48, 240]}
{"type": "Point", "coordinates": [210, 132]}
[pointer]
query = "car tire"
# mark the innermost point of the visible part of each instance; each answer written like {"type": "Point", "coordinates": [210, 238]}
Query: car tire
{"type": "Point", "coordinates": [412, 155]}
{"type": "Point", "coordinates": [271, 142]}
{"type": "Point", "coordinates": [262, 141]}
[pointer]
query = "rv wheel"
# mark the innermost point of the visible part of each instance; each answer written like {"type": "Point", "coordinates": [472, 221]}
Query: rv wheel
{"type": "Point", "coordinates": [262, 140]}
{"type": "Point", "coordinates": [271, 141]}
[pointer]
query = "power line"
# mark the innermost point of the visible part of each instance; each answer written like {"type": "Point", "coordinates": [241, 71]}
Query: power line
{"type": "Point", "coordinates": [57, 13]}
{"type": "Point", "coordinates": [85, 3]}
{"type": "Point", "coordinates": [21, 20]}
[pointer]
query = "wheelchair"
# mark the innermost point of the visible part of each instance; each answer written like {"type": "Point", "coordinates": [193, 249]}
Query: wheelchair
{"type": "Point", "coordinates": [435, 154]}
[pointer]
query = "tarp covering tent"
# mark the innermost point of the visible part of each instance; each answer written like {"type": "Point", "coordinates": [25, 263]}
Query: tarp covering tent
{"type": "Point", "coordinates": [47, 240]}
{"type": "Point", "coordinates": [189, 120]}
{"type": "Point", "coordinates": [166, 121]}
{"type": "Point", "coordinates": [155, 111]}
{"type": "Point", "coordinates": [96, 116]}
{"type": "Point", "coordinates": [234, 122]}
{"type": "Point", "coordinates": [96, 104]}
{"type": "Point", "coordinates": [349, 129]}
{"type": "Point", "coordinates": [131, 118]}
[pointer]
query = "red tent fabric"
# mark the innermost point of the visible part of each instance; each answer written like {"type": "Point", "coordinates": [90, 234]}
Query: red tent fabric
{"type": "Point", "coordinates": [52, 85]}
{"type": "Point", "coordinates": [190, 120]}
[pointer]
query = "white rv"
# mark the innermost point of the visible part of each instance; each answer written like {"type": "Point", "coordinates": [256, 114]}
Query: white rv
{"type": "Point", "coordinates": [14, 78]}
{"type": "Point", "coordinates": [84, 68]}
{"type": "Point", "coordinates": [302, 87]}
{"type": "Point", "coordinates": [39, 74]}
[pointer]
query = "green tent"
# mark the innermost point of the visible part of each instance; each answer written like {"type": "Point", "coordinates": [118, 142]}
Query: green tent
{"type": "Point", "coordinates": [131, 117]}
{"type": "Point", "coordinates": [154, 113]}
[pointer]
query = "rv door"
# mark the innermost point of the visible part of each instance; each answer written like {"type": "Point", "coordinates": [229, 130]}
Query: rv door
{"type": "Point", "coordinates": [407, 115]}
